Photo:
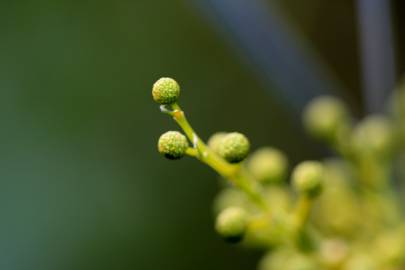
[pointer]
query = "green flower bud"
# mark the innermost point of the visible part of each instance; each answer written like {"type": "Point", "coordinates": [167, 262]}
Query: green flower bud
{"type": "Point", "coordinates": [389, 246]}
{"type": "Point", "coordinates": [268, 165]}
{"type": "Point", "coordinates": [287, 259]}
{"type": "Point", "coordinates": [325, 116]}
{"type": "Point", "coordinates": [231, 224]}
{"type": "Point", "coordinates": [215, 141]}
{"type": "Point", "coordinates": [373, 136]}
{"type": "Point", "coordinates": [229, 197]}
{"type": "Point", "coordinates": [307, 178]}
{"type": "Point", "coordinates": [173, 145]}
{"type": "Point", "coordinates": [302, 262]}
{"type": "Point", "coordinates": [361, 261]}
{"type": "Point", "coordinates": [166, 91]}
{"type": "Point", "coordinates": [333, 252]}
{"type": "Point", "coordinates": [234, 147]}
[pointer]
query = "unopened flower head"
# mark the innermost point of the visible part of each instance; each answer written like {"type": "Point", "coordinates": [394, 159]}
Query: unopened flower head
{"type": "Point", "coordinates": [234, 147]}
{"type": "Point", "coordinates": [287, 259]}
{"type": "Point", "coordinates": [325, 116]}
{"type": "Point", "coordinates": [373, 136]}
{"type": "Point", "coordinates": [307, 178]}
{"type": "Point", "coordinates": [173, 145]}
{"type": "Point", "coordinates": [361, 261]}
{"type": "Point", "coordinates": [231, 224]}
{"type": "Point", "coordinates": [166, 91]}
{"type": "Point", "coordinates": [268, 165]}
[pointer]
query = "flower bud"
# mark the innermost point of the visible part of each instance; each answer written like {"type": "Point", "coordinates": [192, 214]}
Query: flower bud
{"type": "Point", "coordinates": [231, 197]}
{"type": "Point", "coordinates": [307, 178]}
{"type": "Point", "coordinates": [268, 165]}
{"type": "Point", "coordinates": [166, 91]}
{"type": "Point", "coordinates": [361, 261]}
{"type": "Point", "coordinates": [324, 117]}
{"type": "Point", "coordinates": [288, 259]}
{"type": "Point", "coordinates": [333, 252]}
{"type": "Point", "coordinates": [215, 141]}
{"type": "Point", "coordinates": [173, 145]}
{"type": "Point", "coordinates": [234, 147]}
{"type": "Point", "coordinates": [373, 136]}
{"type": "Point", "coordinates": [231, 224]}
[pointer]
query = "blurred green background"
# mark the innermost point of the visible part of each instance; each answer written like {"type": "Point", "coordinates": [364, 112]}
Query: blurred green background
{"type": "Point", "coordinates": [82, 185]}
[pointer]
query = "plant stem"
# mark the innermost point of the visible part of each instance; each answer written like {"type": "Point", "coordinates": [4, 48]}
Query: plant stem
{"type": "Point", "coordinates": [235, 173]}
{"type": "Point", "coordinates": [302, 236]}
{"type": "Point", "coordinates": [302, 211]}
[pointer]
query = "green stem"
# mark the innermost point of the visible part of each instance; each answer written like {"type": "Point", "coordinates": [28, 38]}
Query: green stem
{"type": "Point", "coordinates": [235, 173]}
{"type": "Point", "coordinates": [192, 152]}
{"type": "Point", "coordinates": [302, 212]}
{"type": "Point", "coordinates": [302, 236]}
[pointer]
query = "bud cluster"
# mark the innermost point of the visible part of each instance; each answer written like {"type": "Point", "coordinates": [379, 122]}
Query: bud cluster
{"type": "Point", "coordinates": [321, 215]}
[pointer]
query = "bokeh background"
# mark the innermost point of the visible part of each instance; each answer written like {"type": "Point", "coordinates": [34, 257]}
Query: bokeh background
{"type": "Point", "coordinates": [81, 183]}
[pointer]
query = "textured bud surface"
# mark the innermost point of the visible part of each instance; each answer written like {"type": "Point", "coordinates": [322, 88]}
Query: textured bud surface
{"type": "Point", "coordinates": [234, 147]}
{"type": "Point", "coordinates": [268, 165]}
{"type": "Point", "coordinates": [324, 116]}
{"type": "Point", "coordinates": [231, 224]}
{"type": "Point", "coordinates": [307, 178]}
{"type": "Point", "coordinates": [166, 91]}
{"type": "Point", "coordinates": [173, 145]}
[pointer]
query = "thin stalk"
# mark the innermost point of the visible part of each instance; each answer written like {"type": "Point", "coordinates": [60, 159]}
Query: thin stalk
{"type": "Point", "coordinates": [302, 235]}
{"type": "Point", "coordinates": [235, 173]}
{"type": "Point", "coordinates": [301, 212]}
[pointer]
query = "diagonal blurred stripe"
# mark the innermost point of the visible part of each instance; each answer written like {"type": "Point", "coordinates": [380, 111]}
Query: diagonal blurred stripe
{"type": "Point", "coordinates": [377, 52]}
{"type": "Point", "coordinates": [278, 54]}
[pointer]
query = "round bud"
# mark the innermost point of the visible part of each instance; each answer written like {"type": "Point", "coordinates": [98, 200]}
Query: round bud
{"type": "Point", "coordinates": [215, 141]}
{"type": "Point", "coordinates": [166, 91]}
{"type": "Point", "coordinates": [396, 243]}
{"type": "Point", "coordinates": [324, 117]}
{"type": "Point", "coordinates": [307, 178]}
{"type": "Point", "coordinates": [288, 259]}
{"type": "Point", "coordinates": [173, 145]}
{"type": "Point", "coordinates": [230, 197]}
{"type": "Point", "coordinates": [268, 165]}
{"type": "Point", "coordinates": [333, 252]}
{"type": "Point", "coordinates": [302, 262]}
{"type": "Point", "coordinates": [231, 224]}
{"type": "Point", "coordinates": [361, 261]}
{"type": "Point", "coordinates": [234, 147]}
{"type": "Point", "coordinates": [373, 136]}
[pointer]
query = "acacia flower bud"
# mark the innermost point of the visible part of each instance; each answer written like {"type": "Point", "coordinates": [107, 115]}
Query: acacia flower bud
{"type": "Point", "coordinates": [288, 259]}
{"type": "Point", "coordinates": [373, 136]}
{"type": "Point", "coordinates": [325, 116]}
{"type": "Point", "coordinates": [215, 141]}
{"type": "Point", "coordinates": [173, 145]}
{"type": "Point", "coordinates": [231, 197]}
{"type": "Point", "coordinates": [231, 224]}
{"type": "Point", "coordinates": [361, 261]}
{"type": "Point", "coordinates": [307, 178]}
{"type": "Point", "coordinates": [234, 147]}
{"type": "Point", "coordinates": [268, 165]}
{"type": "Point", "coordinates": [166, 91]}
